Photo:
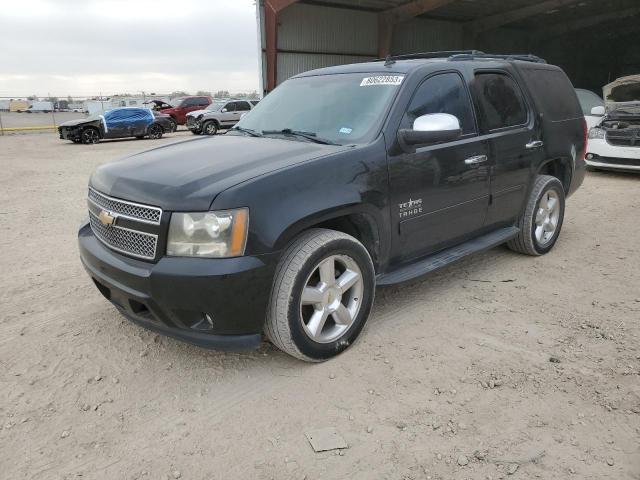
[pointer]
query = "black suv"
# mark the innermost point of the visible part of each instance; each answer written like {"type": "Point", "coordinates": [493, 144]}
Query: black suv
{"type": "Point", "coordinates": [341, 179]}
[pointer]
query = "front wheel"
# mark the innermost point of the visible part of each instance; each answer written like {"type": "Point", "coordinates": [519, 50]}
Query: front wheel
{"type": "Point", "coordinates": [210, 128]}
{"type": "Point", "coordinates": [322, 295]}
{"type": "Point", "coordinates": [90, 135]}
{"type": "Point", "coordinates": [542, 218]}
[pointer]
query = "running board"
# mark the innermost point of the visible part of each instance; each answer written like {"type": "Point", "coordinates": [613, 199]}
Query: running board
{"type": "Point", "coordinates": [447, 257]}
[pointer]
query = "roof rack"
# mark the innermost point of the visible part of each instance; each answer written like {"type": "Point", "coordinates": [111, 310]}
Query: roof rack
{"type": "Point", "coordinates": [473, 56]}
{"type": "Point", "coordinates": [440, 54]}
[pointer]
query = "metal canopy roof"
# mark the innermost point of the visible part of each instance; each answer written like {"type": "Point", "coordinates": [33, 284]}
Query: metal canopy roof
{"type": "Point", "coordinates": [553, 11]}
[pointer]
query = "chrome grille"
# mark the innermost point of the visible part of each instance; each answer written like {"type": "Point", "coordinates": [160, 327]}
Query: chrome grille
{"type": "Point", "coordinates": [136, 211]}
{"type": "Point", "coordinates": [124, 240]}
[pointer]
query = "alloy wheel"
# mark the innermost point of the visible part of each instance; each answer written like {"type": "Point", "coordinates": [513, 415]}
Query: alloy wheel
{"type": "Point", "coordinates": [547, 216]}
{"type": "Point", "coordinates": [331, 298]}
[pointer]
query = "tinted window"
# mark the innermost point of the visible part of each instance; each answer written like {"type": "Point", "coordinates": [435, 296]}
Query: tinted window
{"type": "Point", "coordinates": [231, 107]}
{"type": "Point", "coordinates": [445, 93]}
{"type": "Point", "coordinates": [553, 93]}
{"type": "Point", "coordinates": [203, 102]}
{"type": "Point", "coordinates": [242, 106]}
{"type": "Point", "coordinates": [499, 101]}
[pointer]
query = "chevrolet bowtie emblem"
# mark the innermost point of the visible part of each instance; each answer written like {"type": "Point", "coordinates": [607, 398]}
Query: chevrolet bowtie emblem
{"type": "Point", "coordinates": [107, 218]}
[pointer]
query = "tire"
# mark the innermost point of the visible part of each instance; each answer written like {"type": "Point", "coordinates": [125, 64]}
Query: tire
{"type": "Point", "coordinates": [174, 125]}
{"type": "Point", "coordinates": [90, 136]}
{"type": "Point", "coordinates": [155, 131]}
{"type": "Point", "coordinates": [339, 313]}
{"type": "Point", "coordinates": [210, 127]}
{"type": "Point", "coordinates": [534, 237]}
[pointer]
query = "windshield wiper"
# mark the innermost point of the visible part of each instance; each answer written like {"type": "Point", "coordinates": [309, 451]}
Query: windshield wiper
{"type": "Point", "coordinates": [251, 132]}
{"type": "Point", "coordinates": [299, 133]}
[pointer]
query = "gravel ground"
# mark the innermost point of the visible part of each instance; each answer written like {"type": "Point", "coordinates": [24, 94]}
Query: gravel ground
{"type": "Point", "coordinates": [502, 366]}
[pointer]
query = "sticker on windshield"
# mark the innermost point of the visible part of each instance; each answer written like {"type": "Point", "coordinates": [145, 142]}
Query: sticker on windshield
{"type": "Point", "coordinates": [345, 130]}
{"type": "Point", "coordinates": [382, 80]}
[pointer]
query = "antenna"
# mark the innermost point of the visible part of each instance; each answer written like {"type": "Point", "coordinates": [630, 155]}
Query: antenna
{"type": "Point", "coordinates": [389, 61]}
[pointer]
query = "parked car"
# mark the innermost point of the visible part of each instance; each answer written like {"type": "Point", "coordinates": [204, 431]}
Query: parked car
{"type": "Point", "coordinates": [588, 101]}
{"type": "Point", "coordinates": [341, 179]}
{"type": "Point", "coordinates": [218, 115]}
{"type": "Point", "coordinates": [117, 123]}
{"type": "Point", "coordinates": [183, 105]}
{"type": "Point", "coordinates": [614, 143]}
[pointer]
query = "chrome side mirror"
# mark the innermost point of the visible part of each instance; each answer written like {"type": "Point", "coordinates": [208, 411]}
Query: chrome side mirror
{"type": "Point", "coordinates": [598, 111]}
{"type": "Point", "coordinates": [429, 129]}
{"type": "Point", "coordinates": [224, 110]}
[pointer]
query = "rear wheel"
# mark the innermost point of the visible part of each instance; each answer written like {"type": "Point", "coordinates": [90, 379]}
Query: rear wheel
{"type": "Point", "coordinates": [542, 218]}
{"type": "Point", "coordinates": [210, 128]}
{"type": "Point", "coordinates": [174, 125]}
{"type": "Point", "coordinates": [322, 295]}
{"type": "Point", "coordinates": [90, 135]}
{"type": "Point", "coordinates": [154, 131]}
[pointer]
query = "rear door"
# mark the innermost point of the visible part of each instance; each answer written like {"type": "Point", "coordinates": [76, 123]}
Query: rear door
{"type": "Point", "coordinates": [440, 193]}
{"type": "Point", "coordinates": [507, 122]}
{"type": "Point", "coordinates": [242, 107]}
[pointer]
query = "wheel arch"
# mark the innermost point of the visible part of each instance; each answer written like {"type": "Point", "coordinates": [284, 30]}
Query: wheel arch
{"type": "Point", "coordinates": [354, 220]}
{"type": "Point", "coordinates": [561, 168]}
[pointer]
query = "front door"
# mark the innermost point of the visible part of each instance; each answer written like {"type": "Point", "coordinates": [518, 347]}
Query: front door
{"type": "Point", "coordinates": [439, 193]}
{"type": "Point", "coordinates": [228, 115]}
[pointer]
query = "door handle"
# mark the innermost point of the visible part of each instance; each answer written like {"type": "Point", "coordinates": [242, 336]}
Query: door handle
{"type": "Point", "coordinates": [475, 160]}
{"type": "Point", "coordinates": [535, 144]}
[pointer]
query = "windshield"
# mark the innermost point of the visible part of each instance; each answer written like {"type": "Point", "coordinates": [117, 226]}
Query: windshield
{"type": "Point", "coordinates": [216, 105]}
{"type": "Point", "coordinates": [342, 108]}
{"type": "Point", "coordinates": [175, 102]}
{"type": "Point", "coordinates": [588, 100]}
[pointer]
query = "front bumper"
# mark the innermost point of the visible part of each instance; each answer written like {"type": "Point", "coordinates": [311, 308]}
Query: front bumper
{"type": "Point", "coordinates": [604, 155]}
{"type": "Point", "coordinates": [193, 124]}
{"type": "Point", "coordinates": [213, 303]}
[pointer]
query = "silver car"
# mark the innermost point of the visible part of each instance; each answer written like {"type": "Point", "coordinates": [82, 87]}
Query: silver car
{"type": "Point", "coordinates": [219, 115]}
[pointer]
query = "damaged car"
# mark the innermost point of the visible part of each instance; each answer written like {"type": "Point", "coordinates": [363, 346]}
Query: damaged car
{"type": "Point", "coordinates": [614, 143]}
{"type": "Point", "coordinates": [117, 123]}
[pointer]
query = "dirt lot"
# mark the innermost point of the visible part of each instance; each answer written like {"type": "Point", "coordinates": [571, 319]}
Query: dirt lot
{"type": "Point", "coordinates": [451, 379]}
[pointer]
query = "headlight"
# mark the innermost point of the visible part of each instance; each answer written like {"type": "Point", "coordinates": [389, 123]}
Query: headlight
{"type": "Point", "coordinates": [208, 234]}
{"type": "Point", "coordinates": [596, 132]}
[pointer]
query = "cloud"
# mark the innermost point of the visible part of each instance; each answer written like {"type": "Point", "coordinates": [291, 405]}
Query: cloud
{"type": "Point", "coordinates": [86, 47]}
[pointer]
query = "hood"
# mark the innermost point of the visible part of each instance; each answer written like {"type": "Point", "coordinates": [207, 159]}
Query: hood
{"type": "Point", "coordinates": [188, 175]}
{"type": "Point", "coordinates": [80, 121]}
{"type": "Point", "coordinates": [622, 92]}
{"type": "Point", "coordinates": [195, 113]}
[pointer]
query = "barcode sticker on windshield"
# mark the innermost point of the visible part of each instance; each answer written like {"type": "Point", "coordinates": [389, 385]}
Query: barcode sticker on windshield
{"type": "Point", "coordinates": [382, 80]}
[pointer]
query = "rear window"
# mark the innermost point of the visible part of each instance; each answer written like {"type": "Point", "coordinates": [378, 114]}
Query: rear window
{"type": "Point", "coordinates": [553, 93]}
{"type": "Point", "coordinates": [499, 101]}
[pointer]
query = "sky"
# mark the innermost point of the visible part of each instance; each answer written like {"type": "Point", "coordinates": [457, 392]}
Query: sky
{"type": "Point", "coordinates": [87, 47]}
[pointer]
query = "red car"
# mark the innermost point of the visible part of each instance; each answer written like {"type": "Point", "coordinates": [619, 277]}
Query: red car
{"type": "Point", "coordinates": [183, 105]}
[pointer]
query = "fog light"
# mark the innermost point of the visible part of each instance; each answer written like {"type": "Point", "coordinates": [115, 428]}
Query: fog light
{"type": "Point", "coordinates": [589, 156]}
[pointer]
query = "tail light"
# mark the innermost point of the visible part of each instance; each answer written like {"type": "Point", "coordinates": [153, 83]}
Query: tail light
{"type": "Point", "coordinates": [586, 138]}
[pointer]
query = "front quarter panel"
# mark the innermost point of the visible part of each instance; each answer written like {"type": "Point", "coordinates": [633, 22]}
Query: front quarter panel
{"type": "Point", "coordinates": [285, 202]}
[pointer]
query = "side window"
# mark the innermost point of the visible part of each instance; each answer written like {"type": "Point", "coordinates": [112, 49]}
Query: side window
{"type": "Point", "coordinates": [242, 106]}
{"type": "Point", "coordinates": [189, 102]}
{"type": "Point", "coordinates": [231, 107]}
{"type": "Point", "coordinates": [499, 101]}
{"type": "Point", "coordinates": [443, 93]}
{"type": "Point", "coordinates": [202, 102]}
